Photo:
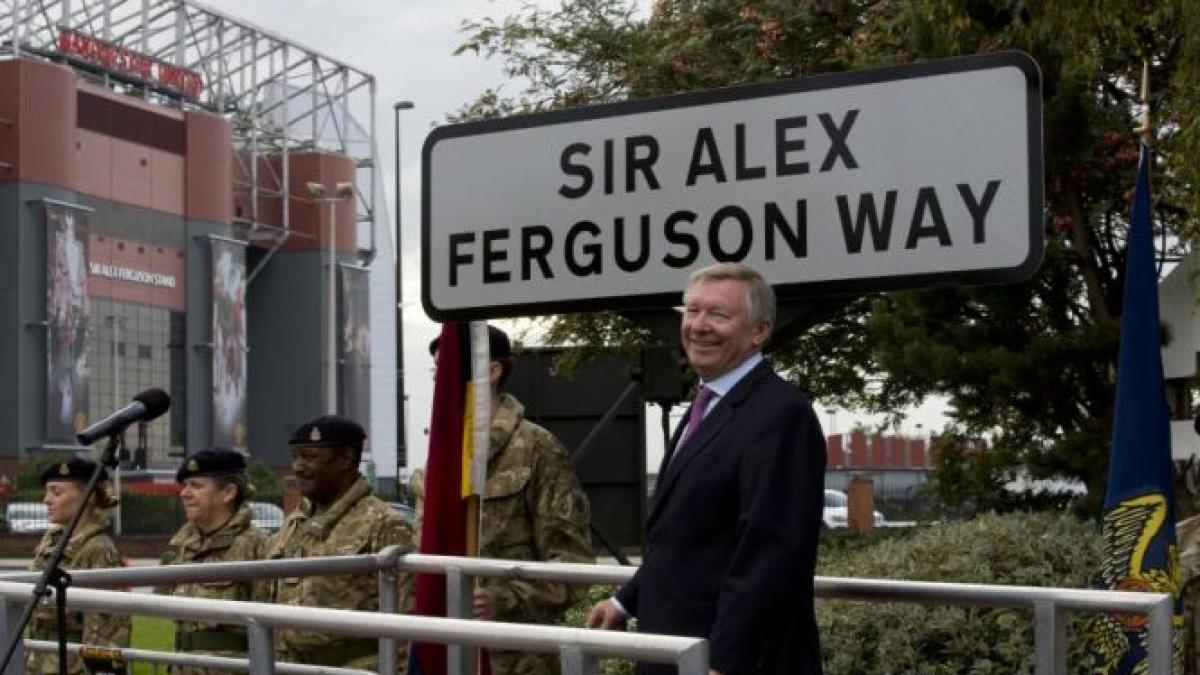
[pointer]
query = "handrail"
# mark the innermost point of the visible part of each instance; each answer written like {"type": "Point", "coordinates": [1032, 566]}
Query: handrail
{"type": "Point", "coordinates": [243, 570]}
{"type": "Point", "coordinates": [1047, 604]}
{"type": "Point", "coordinates": [198, 660]}
{"type": "Point", "coordinates": [689, 654]}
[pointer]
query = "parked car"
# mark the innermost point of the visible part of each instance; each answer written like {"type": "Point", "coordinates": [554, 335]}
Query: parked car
{"type": "Point", "coordinates": [836, 511]}
{"type": "Point", "coordinates": [266, 516]}
{"type": "Point", "coordinates": [27, 517]}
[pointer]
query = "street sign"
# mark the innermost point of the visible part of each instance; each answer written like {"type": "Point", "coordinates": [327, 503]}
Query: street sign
{"type": "Point", "coordinates": [899, 177]}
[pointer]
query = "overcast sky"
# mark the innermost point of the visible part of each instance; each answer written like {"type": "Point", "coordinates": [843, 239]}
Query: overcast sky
{"type": "Point", "coordinates": [408, 46]}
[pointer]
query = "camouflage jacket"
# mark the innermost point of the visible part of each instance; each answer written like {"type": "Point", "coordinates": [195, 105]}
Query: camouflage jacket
{"type": "Point", "coordinates": [1188, 534]}
{"type": "Point", "coordinates": [237, 540]}
{"type": "Point", "coordinates": [356, 523]}
{"type": "Point", "coordinates": [90, 547]}
{"type": "Point", "coordinates": [533, 509]}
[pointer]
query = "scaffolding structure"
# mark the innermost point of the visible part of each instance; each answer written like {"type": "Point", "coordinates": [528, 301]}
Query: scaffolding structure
{"type": "Point", "coordinates": [280, 97]}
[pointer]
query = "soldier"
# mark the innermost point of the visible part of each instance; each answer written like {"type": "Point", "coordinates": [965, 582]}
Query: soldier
{"type": "Point", "coordinates": [533, 509]}
{"type": "Point", "coordinates": [90, 547]}
{"type": "Point", "coordinates": [219, 529]}
{"type": "Point", "coordinates": [338, 516]}
{"type": "Point", "coordinates": [1187, 532]}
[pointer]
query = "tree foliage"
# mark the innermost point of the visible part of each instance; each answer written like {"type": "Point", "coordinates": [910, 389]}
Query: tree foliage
{"type": "Point", "coordinates": [1030, 364]}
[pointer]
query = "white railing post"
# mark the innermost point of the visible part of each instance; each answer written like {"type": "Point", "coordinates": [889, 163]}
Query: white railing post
{"type": "Point", "coordinates": [262, 648]}
{"type": "Point", "coordinates": [694, 661]}
{"type": "Point", "coordinates": [1162, 629]}
{"type": "Point", "coordinates": [575, 661]}
{"type": "Point", "coordinates": [1050, 639]}
{"type": "Point", "coordinates": [388, 604]}
{"type": "Point", "coordinates": [460, 660]}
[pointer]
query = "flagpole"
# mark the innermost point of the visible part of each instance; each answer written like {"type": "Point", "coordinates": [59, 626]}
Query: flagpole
{"type": "Point", "coordinates": [1144, 113]}
{"type": "Point", "coordinates": [481, 368]}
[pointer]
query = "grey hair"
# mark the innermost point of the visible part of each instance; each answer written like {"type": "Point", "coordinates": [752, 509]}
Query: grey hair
{"type": "Point", "coordinates": [760, 297]}
{"type": "Point", "coordinates": [245, 489]}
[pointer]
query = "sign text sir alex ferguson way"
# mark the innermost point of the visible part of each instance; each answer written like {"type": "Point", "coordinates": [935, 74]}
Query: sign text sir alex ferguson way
{"type": "Point", "coordinates": [899, 177]}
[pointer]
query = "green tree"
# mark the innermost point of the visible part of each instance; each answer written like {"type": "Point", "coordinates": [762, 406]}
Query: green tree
{"type": "Point", "coordinates": [1031, 364]}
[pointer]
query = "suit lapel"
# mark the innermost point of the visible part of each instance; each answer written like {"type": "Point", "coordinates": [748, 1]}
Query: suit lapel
{"type": "Point", "coordinates": [717, 419]}
{"type": "Point", "coordinates": [670, 452]}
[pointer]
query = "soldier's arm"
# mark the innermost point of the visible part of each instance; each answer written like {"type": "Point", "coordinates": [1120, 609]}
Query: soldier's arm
{"type": "Point", "coordinates": [103, 629]}
{"type": "Point", "coordinates": [395, 531]}
{"type": "Point", "coordinates": [258, 590]}
{"type": "Point", "coordinates": [272, 550]}
{"type": "Point", "coordinates": [168, 558]}
{"type": "Point", "coordinates": [561, 533]}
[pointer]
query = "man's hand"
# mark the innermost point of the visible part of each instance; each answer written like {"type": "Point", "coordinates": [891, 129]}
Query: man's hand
{"type": "Point", "coordinates": [483, 606]}
{"type": "Point", "coordinates": [714, 672]}
{"type": "Point", "coordinates": [606, 616]}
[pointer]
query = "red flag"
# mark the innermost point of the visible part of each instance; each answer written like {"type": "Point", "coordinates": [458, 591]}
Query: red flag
{"type": "Point", "coordinates": [444, 519]}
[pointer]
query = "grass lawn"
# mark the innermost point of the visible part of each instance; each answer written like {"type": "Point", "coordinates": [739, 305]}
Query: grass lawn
{"type": "Point", "coordinates": [152, 633]}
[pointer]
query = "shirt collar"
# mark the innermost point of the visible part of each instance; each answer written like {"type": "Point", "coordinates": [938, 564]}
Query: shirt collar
{"type": "Point", "coordinates": [723, 383]}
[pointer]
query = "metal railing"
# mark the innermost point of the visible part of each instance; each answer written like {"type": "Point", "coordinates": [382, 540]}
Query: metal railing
{"type": "Point", "coordinates": [579, 649]}
{"type": "Point", "coordinates": [1049, 605]}
{"type": "Point", "coordinates": [188, 660]}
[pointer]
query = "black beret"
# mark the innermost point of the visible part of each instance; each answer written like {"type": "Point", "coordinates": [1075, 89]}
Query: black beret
{"type": "Point", "coordinates": [498, 344]}
{"type": "Point", "coordinates": [74, 469]}
{"type": "Point", "coordinates": [330, 431]}
{"type": "Point", "coordinates": [215, 462]}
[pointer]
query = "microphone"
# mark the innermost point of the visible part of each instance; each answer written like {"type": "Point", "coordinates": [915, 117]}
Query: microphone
{"type": "Point", "coordinates": [145, 406]}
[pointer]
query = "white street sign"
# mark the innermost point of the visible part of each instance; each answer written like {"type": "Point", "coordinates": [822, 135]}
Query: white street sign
{"type": "Point", "coordinates": [899, 177]}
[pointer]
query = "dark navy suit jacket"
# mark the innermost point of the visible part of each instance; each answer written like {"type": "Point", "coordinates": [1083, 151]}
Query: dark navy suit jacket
{"type": "Point", "coordinates": [731, 541]}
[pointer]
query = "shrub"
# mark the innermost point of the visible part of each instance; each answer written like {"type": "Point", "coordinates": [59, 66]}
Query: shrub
{"type": "Point", "coordinates": [267, 486]}
{"type": "Point", "coordinates": [1032, 549]}
{"type": "Point", "coordinates": [150, 513]}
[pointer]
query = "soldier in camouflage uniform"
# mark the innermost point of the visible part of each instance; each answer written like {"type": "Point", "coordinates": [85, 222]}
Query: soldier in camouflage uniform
{"type": "Point", "coordinates": [338, 516]}
{"type": "Point", "coordinates": [1188, 534]}
{"type": "Point", "coordinates": [533, 509]}
{"type": "Point", "coordinates": [219, 529]}
{"type": "Point", "coordinates": [90, 547]}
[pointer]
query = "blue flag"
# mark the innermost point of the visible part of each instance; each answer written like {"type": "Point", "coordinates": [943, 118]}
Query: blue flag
{"type": "Point", "coordinates": [1140, 552]}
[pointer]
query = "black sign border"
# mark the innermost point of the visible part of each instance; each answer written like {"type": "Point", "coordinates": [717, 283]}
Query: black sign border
{"type": "Point", "coordinates": [998, 275]}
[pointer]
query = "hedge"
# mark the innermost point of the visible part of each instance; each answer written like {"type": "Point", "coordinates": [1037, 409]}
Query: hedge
{"type": "Point", "coordinates": [877, 638]}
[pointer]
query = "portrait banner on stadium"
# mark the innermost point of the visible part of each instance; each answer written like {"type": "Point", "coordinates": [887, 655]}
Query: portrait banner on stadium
{"type": "Point", "coordinates": [228, 259]}
{"type": "Point", "coordinates": [355, 344]}
{"type": "Point", "coordinates": [68, 320]}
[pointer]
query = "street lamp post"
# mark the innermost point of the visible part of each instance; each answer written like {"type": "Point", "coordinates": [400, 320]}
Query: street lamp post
{"type": "Point", "coordinates": [342, 192]}
{"type": "Point", "coordinates": [117, 323]}
{"type": "Point", "coordinates": [401, 399]}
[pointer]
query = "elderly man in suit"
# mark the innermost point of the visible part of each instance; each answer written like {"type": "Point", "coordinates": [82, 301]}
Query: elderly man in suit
{"type": "Point", "coordinates": [731, 540]}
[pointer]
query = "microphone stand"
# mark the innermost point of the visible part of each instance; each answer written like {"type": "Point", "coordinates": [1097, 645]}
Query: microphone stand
{"type": "Point", "coordinates": [56, 577]}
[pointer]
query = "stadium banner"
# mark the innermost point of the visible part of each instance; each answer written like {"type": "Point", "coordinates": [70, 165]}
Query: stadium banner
{"type": "Point", "coordinates": [68, 320]}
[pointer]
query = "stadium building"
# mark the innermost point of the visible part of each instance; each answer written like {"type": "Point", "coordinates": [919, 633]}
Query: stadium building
{"type": "Point", "coordinates": [174, 185]}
